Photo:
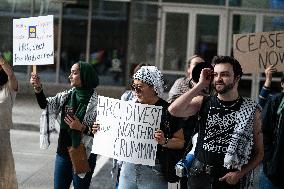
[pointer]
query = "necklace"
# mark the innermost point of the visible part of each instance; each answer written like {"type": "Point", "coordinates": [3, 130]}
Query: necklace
{"type": "Point", "coordinates": [228, 106]}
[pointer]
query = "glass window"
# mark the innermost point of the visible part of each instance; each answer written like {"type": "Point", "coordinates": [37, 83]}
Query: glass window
{"type": "Point", "coordinates": [269, 4]}
{"type": "Point", "coordinates": [109, 41]}
{"type": "Point", "coordinates": [206, 2]}
{"type": "Point", "coordinates": [207, 36]}
{"type": "Point", "coordinates": [142, 36]}
{"type": "Point", "coordinates": [273, 23]}
{"type": "Point", "coordinates": [175, 41]}
{"type": "Point", "coordinates": [6, 5]}
{"type": "Point", "coordinates": [73, 38]}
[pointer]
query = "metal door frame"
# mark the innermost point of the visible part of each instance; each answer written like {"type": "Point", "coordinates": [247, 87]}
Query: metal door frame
{"type": "Point", "coordinates": [192, 13]}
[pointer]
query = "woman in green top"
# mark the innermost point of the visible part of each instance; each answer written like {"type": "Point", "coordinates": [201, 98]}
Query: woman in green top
{"type": "Point", "coordinates": [77, 107]}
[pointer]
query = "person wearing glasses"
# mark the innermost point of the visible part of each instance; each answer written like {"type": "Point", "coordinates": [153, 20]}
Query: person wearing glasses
{"type": "Point", "coordinates": [126, 96]}
{"type": "Point", "coordinates": [8, 90]}
{"type": "Point", "coordinates": [148, 87]}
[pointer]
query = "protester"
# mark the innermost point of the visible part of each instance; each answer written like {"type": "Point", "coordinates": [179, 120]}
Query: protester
{"type": "Point", "coordinates": [8, 89]}
{"type": "Point", "coordinates": [273, 139]}
{"type": "Point", "coordinates": [229, 142]}
{"type": "Point", "coordinates": [265, 90]}
{"type": "Point", "coordinates": [181, 86]}
{"type": "Point", "coordinates": [82, 99]}
{"type": "Point", "coordinates": [126, 96]}
{"type": "Point", "coordinates": [148, 87]}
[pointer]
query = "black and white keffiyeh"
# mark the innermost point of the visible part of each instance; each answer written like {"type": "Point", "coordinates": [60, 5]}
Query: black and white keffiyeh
{"type": "Point", "coordinates": [151, 76]}
{"type": "Point", "coordinates": [240, 146]}
{"type": "Point", "coordinates": [50, 118]}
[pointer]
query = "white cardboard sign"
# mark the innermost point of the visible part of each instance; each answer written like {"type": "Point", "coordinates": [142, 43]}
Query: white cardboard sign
{"type": "Point", "coordinates": [127, 130]}
{"type": "Point", "coordinates": [33, 41]}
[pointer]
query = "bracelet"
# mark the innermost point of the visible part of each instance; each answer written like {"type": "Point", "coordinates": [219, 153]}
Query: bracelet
{"type": "Point", "coordinates": [166, 142]}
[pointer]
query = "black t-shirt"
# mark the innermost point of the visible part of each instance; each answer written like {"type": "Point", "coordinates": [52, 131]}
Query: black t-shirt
{"type": "Point", "coordinates": [217, 122]}
{"type": "Point", "coordinates": [166, 116]}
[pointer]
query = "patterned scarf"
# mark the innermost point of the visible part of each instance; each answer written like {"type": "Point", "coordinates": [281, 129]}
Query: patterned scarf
{"type": "Point", "coordinates": [51, 118]}
{"type": "Point", "coordinates": [240, 146]}
{"type": "Point", "coordinates": [151, 76]}
{"type": "Point", "coordinates": [83, 100]}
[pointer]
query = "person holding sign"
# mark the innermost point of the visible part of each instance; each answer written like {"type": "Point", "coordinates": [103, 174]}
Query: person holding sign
{"type": "Point", "coordinates": [229, 142]}
{"type": "Point", "coordinates": [8, 89]}
{"type": "Point", "coordinates": [126, 96]}
{"type": "Point", "coordinates": [148, 89]}
{"type": "Point", "coordinates": [78, 112]}
{"type": "Point", "coordinates": [273, 138]}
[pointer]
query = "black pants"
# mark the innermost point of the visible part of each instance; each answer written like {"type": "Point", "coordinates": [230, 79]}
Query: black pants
{"type": "Point", "coordinates": [205, 181]}
{"type": "Point", "coordinates": [183, 183]}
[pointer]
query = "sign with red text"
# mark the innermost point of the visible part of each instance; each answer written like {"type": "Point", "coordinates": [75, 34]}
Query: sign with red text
{"type": "Point", "coordinates": [256, 51]}
{"type": "Point", "coordinates": [127, 130]}
{"type": "Point", "coordinates": [33, 41]}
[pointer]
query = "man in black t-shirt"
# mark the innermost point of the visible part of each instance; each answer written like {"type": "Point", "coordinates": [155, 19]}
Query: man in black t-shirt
{"type": "Point", "coordinates": [229, 144]}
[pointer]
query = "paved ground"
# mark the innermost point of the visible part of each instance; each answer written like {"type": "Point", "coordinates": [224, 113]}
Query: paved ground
{"type": "Point", "coordinates": [34, 167]}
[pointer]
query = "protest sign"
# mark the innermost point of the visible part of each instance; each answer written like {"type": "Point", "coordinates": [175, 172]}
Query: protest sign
{"type": "Point", "coordinates": [256, 51]}
{"type": "Point", "coordinates": [127, 130]}
{"type": "Point", "coordinates": [33, 41]}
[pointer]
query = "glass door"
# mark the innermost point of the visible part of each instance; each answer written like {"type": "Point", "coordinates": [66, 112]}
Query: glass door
{"type": "Point", "coordinates": [188, 31]}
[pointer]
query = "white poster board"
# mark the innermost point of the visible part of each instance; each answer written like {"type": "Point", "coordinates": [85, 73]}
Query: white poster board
{"type": "Point", "coordinates": [256, 51]}
{"type": "Point", "coordinates": [127, 130]}
{"type": "Point", "coordinates": [33, 41]}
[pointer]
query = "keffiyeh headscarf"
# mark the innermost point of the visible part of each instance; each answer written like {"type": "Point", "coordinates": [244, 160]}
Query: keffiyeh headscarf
{"type": "Point", "coordinates": [151, 76]}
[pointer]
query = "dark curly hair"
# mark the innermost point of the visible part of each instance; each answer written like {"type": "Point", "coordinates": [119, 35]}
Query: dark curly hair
{"type": "Point", "coordinates": [237, 68]}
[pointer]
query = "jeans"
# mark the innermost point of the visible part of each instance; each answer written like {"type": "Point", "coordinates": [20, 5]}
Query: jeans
{"type": "Point", "coordinates": [264, 182]}
{"type": "Point", "coordinates": [141, 177]}
{"type": "Point", "coordinates": [64, 175]}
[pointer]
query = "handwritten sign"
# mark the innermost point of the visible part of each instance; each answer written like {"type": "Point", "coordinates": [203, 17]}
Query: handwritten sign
{"type": "Point", "coordinates": [127, 130]}
{"type": "Point", "coordinates": [33, 41]}
{"type": "Point", "coordinates": [256, 51]}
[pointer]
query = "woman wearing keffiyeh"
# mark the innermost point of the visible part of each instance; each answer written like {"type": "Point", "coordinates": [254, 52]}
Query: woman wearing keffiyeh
{"type": "Point", "coordinates": [148, 87]}
{"type": "Point", "coordinates": [77, 108]}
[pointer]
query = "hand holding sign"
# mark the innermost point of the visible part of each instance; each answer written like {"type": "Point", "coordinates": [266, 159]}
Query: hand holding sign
{"type": "Point", "coordinates": [35, 82]}
{"type": "Point", "coordinates": [95, 128]}
{"type": "Point", "coordinates": [125, 131]}
{"type": "Point", "coordinates": [256, 51]}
